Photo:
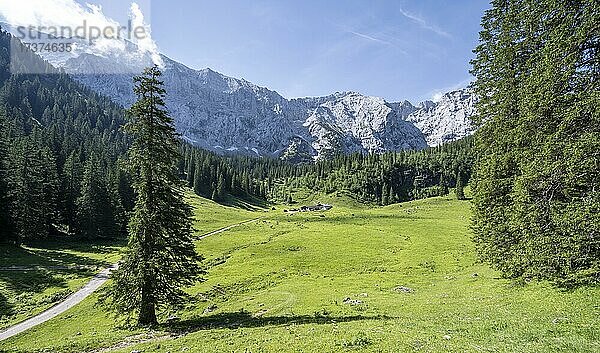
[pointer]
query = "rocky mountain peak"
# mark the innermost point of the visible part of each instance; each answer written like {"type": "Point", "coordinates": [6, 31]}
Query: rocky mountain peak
{"type": "Point", "coordinates": [231, 115]}
{"type": "Point", "coordinates": [448, 119]}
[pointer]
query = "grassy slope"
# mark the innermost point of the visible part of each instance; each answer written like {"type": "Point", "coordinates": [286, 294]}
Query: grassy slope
{"type": "Point", "coordinates": [52, 265]}
{"type": "Point", "coordinates": [279, 285]}
{"type": "Point", "coordinates": [211, 216]}
{"type": "Point", "coordinates": [55, 270]}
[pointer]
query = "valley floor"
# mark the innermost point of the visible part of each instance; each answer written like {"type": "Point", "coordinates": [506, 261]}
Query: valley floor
{"type": "Point", "coordinates": [402, 278]}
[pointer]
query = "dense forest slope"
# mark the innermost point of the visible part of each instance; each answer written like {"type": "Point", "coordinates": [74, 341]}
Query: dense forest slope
{"type": "Point", "coordinates": [59, 143]}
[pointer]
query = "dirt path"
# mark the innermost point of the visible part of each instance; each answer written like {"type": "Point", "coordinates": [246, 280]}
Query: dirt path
{"type": "Point", "coordinates": [224, 229]}
{"type": "Point", "coordinates": [96, 282]}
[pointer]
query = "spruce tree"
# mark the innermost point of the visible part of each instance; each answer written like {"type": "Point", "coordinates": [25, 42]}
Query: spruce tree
{"type": "Point", "coordinates": [160, 257]}
{"type": "Point", "coordinates": [100, 211]}
{"type": "Point", "coordinates": [114, 214]}
{"type": "Point", "coordinates": [198, 180]}
{"type": "Point", "coordinates": [385, 196]}
{"type": "Point", "coordinates": [221, 187]}
{"type": "Point", "coordinates": [91, 203]}
{"type": "Point", "coordinates": [71, 180]}
{"type": "Point", "coordinates": [32, 191]}
{"type": "Point", "coordinates": [443, 184]}
{"type": "Point", "coordinates": [5, 221]}
{"type": "Point", "coordinates": [537, 192]}
{"type": "Point", "coordinates": [125, 190]}
{"type": "Point", "coordinates": [392, 195]}
{"type": "Point", "coordinates": [50, 188]}
{"type": "Point", "coordinates": [191, 172]}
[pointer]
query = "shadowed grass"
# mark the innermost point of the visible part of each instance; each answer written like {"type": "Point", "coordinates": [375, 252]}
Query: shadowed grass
{"type": "Point", "coordinates": [35, 276]}
{"type": "Point", "coordinates": [243, 319]}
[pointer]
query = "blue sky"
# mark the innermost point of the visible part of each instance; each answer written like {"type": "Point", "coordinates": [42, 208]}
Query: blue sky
{"type": "Point", "coordinates": [389, 48]}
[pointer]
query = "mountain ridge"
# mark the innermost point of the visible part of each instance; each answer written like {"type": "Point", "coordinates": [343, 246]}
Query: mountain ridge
{"type": "Point", "coordinates": [232, 115]}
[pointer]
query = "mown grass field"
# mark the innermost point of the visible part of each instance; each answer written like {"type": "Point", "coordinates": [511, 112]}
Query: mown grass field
{"type": "Point", "coordinates": [401, 278]}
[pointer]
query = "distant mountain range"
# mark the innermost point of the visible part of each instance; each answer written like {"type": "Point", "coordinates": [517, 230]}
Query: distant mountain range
{"type": "Point", "coordinates": [230, 115]}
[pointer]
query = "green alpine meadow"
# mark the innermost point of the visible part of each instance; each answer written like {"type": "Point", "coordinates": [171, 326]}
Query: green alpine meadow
{"type": "Point", "coordinates": [147, 205]}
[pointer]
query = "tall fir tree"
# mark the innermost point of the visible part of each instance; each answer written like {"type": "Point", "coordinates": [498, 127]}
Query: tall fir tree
{"type": "Point", "coordinates": [100, 212]}
{"type": "Point", "coordinates": [115, 217]}
{"type": "Point", "coordinates": [27, 191]}
{"type": "Point", "coordinates": [198, 180]}
{"type": "Point", "coordinates": [385, 196]}
{"type": "Point", "coordinates": [71, 185]}
{"type": "Point", "coordinates": [6, 231]}
{"type": "Point", "coordinates": [161, 256]}
{"type": "Point", "coordinates": [51, 188]}
{"type": "Point", "coordinates": [460, 186]}
{"type": "Point", "coordinates": [90, 200]}
{"type": "Point", "coordinates": [537, 191]}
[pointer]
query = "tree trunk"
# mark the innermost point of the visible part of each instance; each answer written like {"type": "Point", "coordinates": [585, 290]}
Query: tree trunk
{"type": "Point", "coordinates": [147, 315]}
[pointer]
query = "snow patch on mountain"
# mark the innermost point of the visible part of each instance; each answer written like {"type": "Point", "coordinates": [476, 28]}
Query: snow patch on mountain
{"type": "Point", "coordinates": [233, 116]}
{"type": "Point", "coordinates": [447, 119]}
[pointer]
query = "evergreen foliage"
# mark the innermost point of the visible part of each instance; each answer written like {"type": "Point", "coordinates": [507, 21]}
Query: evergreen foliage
{"type": "Point", "coordinates": [537, 182]}
{"type": "Point", "coordinates": [6, 232]}
{"type": "Point", "coordinates": [161, 257]}
{"type": "Point", "coordinates": [50, 127]}
{"type": "Point", "coordinates": [460, 187]}
{"type": "Point", "coordinates": [99, 209]}
{"type": "Point", "coordinates": [380, 178]}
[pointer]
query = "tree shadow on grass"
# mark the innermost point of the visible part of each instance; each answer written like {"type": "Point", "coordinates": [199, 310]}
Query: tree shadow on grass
{"type": "Point", "coordinates": [43, 254]}
{"type": "Point", "coordinates": [34, 269]}
{"type": "Point", "coordinates": [248, 204]}
{"type": "Point", "coordinates": [97, 246]}
{"type": "Point", "coordinates": [244, 319]}
{"type": "Point", "coordinates": [36, 280]}
{"type": "Point", "coordinates": [53, 259]}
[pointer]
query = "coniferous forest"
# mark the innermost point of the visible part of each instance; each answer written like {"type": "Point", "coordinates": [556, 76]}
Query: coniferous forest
{"type": "Point", "coordinates": [378, 178]}
{"type": "Point", "coordinates": [59, 163]}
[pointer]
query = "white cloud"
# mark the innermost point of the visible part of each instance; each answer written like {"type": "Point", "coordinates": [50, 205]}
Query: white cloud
{"type": "Point", "coordinates": [437, 94]}
{"type": "Point", "coordinates": [146, 44]}
{"type": "Point", "coordinates": [424, 24]}
{"type": "Point", "coordinates": [53, 15]}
